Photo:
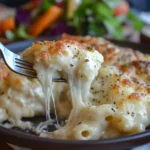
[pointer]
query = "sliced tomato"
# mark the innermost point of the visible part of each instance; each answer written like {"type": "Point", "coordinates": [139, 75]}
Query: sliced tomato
{"type": "Point", "coordinates": [60, 4]}
{"type": "Point", "coordinates": [36, 2]}
{"type": "Point", "coordinates": [121, 9]}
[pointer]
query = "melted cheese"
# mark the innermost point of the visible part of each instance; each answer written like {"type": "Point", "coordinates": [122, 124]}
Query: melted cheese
{"type": "Point", "coordinates": [98, 101]}
{"type": "Point", "coordinates": [80, 65]}
{"type": "Point", "coordinates": [21, 97]}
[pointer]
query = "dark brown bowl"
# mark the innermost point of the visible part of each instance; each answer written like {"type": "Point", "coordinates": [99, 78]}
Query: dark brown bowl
{"type": "Point", "coordinates": [29, 140]}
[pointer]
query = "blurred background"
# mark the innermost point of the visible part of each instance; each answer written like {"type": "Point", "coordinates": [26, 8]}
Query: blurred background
{"type": "Point", "coordinates": [127, 20]}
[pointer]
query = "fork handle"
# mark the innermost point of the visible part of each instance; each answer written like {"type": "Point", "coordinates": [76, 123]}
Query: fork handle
{"type": "Point", "coordinates": [2, 47]}
{"type": "Point", "coordinates": [2, 50]}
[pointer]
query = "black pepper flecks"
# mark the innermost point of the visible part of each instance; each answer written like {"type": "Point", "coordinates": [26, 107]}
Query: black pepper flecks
{"type": "Point", "coordinates": [90, 48]}
{"type": "Point", "coordinates": [86, 60]}
{"type": "Point", "coordinates": [132, 114]}
{"type": "Point", "coordinates": [92, 88]}
{"type": "Point", "coordinates": [71, 65]}
{"type": "Point", "coordinates": [113, 109]}
{"type": "Point", "coordinates": [79, 123]}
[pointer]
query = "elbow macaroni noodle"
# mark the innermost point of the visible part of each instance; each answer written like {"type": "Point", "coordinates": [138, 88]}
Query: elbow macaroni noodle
{"type": "Point", "coordinates": [107, 94]}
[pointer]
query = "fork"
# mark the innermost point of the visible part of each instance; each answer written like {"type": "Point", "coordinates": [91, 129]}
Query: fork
{"type": "Point", "coordinates": [18, 65]}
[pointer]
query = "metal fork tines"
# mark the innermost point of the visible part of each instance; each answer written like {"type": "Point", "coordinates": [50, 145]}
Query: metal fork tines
{"type": "Point", "coordinates": [17, 64]}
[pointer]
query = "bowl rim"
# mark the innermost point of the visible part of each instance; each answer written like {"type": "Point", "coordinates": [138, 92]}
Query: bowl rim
{"type": "Point", "coordinates": [12, 136]}
{"type": "Point", "coordinates": [26, 136]}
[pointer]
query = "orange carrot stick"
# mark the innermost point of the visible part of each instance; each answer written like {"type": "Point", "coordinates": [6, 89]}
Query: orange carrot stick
{"type": "Point", "coordinates": [7, 24]}
{"type": "Point", "coordinates": [44, 21]}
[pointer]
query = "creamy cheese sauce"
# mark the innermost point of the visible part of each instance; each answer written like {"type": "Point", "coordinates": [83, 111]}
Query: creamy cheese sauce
{"type": "Point", "coordinates": [80, 75]}
{"type": "Point", "coordinates": [19, 98]}
{"type": "Point", "coordinates": [98, 102]}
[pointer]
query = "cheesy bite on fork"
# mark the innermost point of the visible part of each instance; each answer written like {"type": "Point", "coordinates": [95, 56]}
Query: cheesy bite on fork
{"type": "Point", "coordinates": [77, 63]}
